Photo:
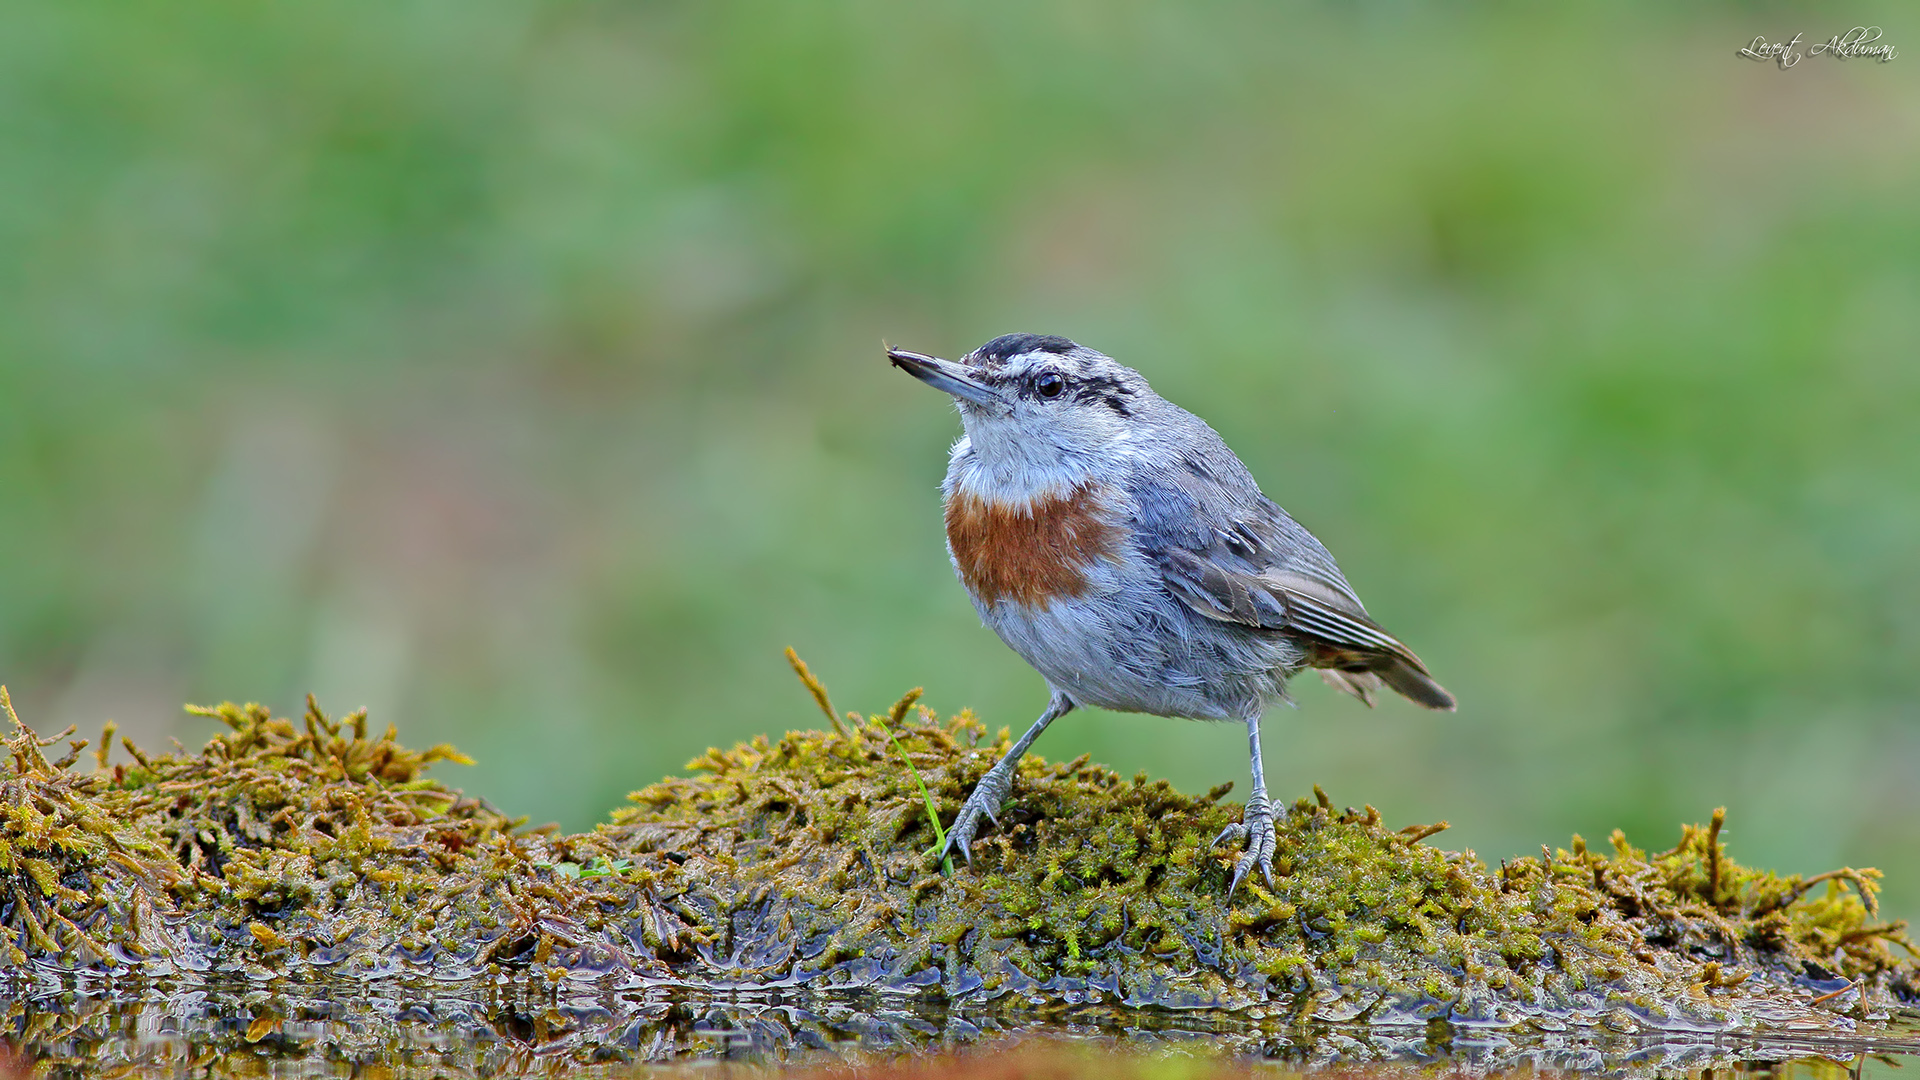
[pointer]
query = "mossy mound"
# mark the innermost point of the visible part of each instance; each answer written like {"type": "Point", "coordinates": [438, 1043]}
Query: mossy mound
{"type": "Point", "coordinates": [279, 848]}
{"type": "Point", "coordinates": [1095, 885]}
{"type": "Point", "coordinates": [288, 850]}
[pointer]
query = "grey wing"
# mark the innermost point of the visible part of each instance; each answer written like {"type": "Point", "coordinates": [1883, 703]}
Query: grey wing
{"type": "Point", "coordinates": [1245, 561]}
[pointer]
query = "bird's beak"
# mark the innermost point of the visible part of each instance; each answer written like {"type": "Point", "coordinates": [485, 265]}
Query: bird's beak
{"type": "Point", "coordinates": [944, 375]}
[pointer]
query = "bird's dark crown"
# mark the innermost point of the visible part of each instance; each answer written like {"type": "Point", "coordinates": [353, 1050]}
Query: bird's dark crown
{"type": "Point", "coordinates": [1091, 378]}
{"type": "Point", "coordinates": [1007, 346]}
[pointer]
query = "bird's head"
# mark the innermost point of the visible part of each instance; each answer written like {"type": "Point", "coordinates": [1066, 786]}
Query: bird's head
{"type": "Point", "coordinates": [1030, 397]}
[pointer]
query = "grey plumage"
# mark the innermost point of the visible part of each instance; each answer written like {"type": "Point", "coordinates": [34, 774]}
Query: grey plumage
{"type": "Point", "coordinates": [1204, 597]}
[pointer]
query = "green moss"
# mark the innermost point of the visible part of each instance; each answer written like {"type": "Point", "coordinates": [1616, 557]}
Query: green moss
{"type": "Point", "coordinates": [300, 850]}
{"type": "Point", "coordinates": [1095, 879]}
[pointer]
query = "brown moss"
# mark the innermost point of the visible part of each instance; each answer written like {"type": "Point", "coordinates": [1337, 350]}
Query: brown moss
{"type": "Point", "coordinates": [279, 847]}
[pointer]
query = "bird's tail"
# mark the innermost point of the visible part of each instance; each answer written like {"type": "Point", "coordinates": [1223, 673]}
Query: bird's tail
{"type": "Point", "coordinates": [1417, 686]}
{"type": "Point", "coordinates": [1405, 679]}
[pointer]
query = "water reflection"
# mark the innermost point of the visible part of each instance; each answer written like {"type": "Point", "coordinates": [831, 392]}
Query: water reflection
{"type": "Point", "coordinates": [409, 1030]}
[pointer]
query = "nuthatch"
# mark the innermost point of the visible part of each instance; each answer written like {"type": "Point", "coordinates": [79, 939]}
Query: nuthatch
{"type": "Point", "coordinates": [1114, 541]}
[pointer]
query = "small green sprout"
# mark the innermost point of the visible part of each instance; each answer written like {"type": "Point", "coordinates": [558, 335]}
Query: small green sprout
{"type": "Point", "coordinates": [894, 716]}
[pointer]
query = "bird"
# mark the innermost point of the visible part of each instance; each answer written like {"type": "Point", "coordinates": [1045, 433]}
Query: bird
{"type": "Point", "coordinates": [1114, 541]}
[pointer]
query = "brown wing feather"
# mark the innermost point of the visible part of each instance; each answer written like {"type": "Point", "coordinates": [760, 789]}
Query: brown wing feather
{"type": "Point", "coordinates": [1340, 637]}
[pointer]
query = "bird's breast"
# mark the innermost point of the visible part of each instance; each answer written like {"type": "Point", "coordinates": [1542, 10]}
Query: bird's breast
{"type": "Point", "coordinates": [1033, 551]}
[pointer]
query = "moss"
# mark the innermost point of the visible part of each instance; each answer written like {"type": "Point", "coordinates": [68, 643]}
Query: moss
{"type": "Point", "coordinates": [1098, 884]}
{"type": "Point", "coordinates": [301, 850]}
{"type": "Point", "coordinates": [279, 846]}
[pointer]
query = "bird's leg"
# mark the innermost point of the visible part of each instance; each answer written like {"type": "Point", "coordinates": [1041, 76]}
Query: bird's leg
{"type": "Point", "coordinates": [993, 787]}
{"type": "Point", "coordinates": [1256, 822]}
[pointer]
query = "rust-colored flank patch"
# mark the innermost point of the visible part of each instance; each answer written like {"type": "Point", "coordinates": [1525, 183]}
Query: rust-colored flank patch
{"type": "Point", "coordinates": [1030, 555]}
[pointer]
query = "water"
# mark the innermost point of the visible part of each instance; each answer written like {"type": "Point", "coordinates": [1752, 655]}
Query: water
{"type": "Point", "coordinates": [493, 1029]}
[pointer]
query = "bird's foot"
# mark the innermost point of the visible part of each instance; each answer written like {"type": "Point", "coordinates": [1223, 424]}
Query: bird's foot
{"type": "Point", "coordinates": [985, 802]}
{"type": "Point", "coordinates": [1257, 829]}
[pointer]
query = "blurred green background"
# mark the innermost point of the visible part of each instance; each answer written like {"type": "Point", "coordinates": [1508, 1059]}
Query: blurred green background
{"type": "Point", "coordinates": [514, 370]}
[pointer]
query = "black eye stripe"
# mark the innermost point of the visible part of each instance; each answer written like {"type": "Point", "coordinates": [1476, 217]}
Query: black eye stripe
{"type": "Point", "coordinates": [1086, 389]}
{"type": "Point", "coordinates": [1104, 390]}
{"type": "Point", "coordinates": [1105, 385]}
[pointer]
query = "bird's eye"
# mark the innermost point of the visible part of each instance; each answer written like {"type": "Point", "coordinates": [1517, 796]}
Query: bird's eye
{"type": "Point", "coordinates": [1050, 385]}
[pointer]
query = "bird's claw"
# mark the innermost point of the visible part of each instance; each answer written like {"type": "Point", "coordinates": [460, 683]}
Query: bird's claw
{"type": "Point", "coordinates": [1257, 829]}
{"type": "Point", "coordinates": [983, 803]}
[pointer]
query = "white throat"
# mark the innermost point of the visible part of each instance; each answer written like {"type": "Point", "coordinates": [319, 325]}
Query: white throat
{"type": "Point", "coordinates": [1014, 472]}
